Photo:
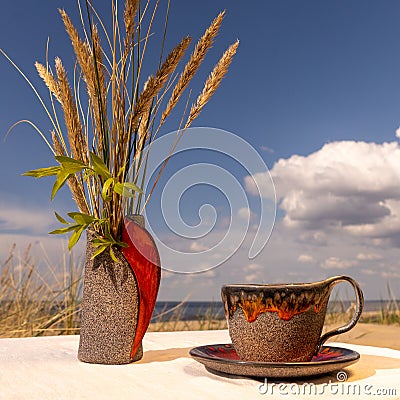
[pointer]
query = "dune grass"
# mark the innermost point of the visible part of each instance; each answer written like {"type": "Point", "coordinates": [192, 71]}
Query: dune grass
{"type": "Point", "coordinates": [37, 299]}
{"type": "Point", "coordinates": [173, 319]}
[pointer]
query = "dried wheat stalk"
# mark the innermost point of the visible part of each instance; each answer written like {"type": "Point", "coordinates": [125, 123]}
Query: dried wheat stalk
{"type": "Point", "coordinates": [157, 82]}
{"type": "Point", "coordinates": [49, 80]}
{"type": "Point", "coordinates": [85, 59]}
{"type": "Point", "coordinates": [81, 49]}
{"type": "Point", "coordinates": [59, 150]}
{"type": "Point", "coordinates": [197, 57]}
{"type": "Point", "coordinates": [212, 83]}
{"type": "Point", "coordinates": [121, 120]}
{"type": "Point", "coordinates": [143, 130]}
{"type": "Point", "coordinates": [129, 20]}
{"type": "Point", "coordinates": [76, 139]}
{"type": "Point", "coordinates": [99, 60]}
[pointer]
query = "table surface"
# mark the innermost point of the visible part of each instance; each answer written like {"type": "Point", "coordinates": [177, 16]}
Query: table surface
{"type": "Point", "coordinates": [47, 368]}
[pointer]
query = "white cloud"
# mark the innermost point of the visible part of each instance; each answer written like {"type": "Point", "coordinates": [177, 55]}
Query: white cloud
{"type": "Point", "coordinates": [390, 274]}
{"type": "Point", "coordinates": [305, 259]}
{"type": "Point", "coordinates": [253, 267]}
{"type": "Point", "coordinates": [267, 149]}
{"type": "Point", "coordinates": [212, 273]}
{"type": "Point", "coordinates": [245, 213]}
{"type": "Point", "coordinates": [254, 273]}
{"type": "Point", "coordinates": [14, 218]}
{"type": "Point", "coordinates": [342, 168]}
{"type": "Point", "coordinates": [337, 263]}
{"type": "Point", "coordinates": [351, 187]}
{"type": "Point", "coordinates": [167, 275]}
{"type": "Point", "coordinates": [260, 184]}
{"type": "Point", "coordinates": [398, 132]}
{"type": "Point", "coordinates": [387, 227]}
{"type": "Point", "coordinates": [368, 271]}
{"type": "Point", "coordinates": [198, 247]}
{"type": "Point", "coordinates": [47, 253]}
{"type": "Point", "coordinates": [318, 238]}
{"type": "Point", "coordinates": [26, 227]}
{"type": "Point", "coordinates": [340, 213]}
{"type": "Point", "coordinates": [253, 278]}
{"type": "Point", "coordinates": [369, 256]}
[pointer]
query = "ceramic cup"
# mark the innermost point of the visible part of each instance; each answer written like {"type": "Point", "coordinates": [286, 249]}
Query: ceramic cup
{"type": "Point", "coordinates": [282, 322]}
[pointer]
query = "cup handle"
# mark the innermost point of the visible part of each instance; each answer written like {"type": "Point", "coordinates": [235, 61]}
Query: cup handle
{"type": "Point", "coordinates": [357, 313]}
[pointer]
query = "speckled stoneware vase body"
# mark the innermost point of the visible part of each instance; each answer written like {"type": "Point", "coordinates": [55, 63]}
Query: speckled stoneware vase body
{"type": "Point", "coordinates": [282, 323]}
{"type": "Point", "coordinates": [110, 308]}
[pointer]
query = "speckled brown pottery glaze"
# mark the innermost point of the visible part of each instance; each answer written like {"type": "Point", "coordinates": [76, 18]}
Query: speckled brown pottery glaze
{"type": "Point", "coordinates": [283, 322]}
{"type": "Point", "coordinates": [110, 307]}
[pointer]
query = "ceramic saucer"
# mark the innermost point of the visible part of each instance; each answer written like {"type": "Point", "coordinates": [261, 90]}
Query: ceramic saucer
{"type": "Point", "coordinates": [223, 358]}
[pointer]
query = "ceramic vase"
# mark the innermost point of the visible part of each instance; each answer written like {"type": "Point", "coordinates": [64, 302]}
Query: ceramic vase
{"type": "Point", "coordinates": [119, 297]}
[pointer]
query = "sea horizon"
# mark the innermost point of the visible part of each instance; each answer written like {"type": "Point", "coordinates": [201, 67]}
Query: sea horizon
{"type": "Point", "coordinates": [194, 310]}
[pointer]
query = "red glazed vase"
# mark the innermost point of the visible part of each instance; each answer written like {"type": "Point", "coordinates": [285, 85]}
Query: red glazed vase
{"type": "Point", "coordinates": [119, 297]}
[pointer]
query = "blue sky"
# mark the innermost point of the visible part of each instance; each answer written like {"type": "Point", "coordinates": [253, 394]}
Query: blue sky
{"type": "Point", "coordinates": [314, 89]}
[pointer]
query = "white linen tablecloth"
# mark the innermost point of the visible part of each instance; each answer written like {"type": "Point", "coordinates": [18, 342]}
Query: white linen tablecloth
{"type": "Point", "coordinates": [47, 368]}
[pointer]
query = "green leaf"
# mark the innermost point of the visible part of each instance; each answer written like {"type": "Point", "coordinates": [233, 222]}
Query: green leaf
{"type": "Point", "coordinates": [127, 189]}
{"type": "Point", "coordinates": [122, 244]}
{"type": "Point", "coordinates": [107, 184]}
{"type": "Point", "coordinates": [133, 187]}
{"type": "Point", "coordinates": [100, 242]}
{"type": "Point", "coordinates": [62, 231]}
{"type": "Point", "coordinates": [88, 173]}
{"type": "Point", "coordinates": [59, 183]}
{"type": "Point", "coordinates": [112, 254]}
{"type": "Point", "coordinates": [81, 219]}
{"type": "Point", "coordinates": [100, 167]}
{"type": "Point", "coordinates": [41, 172]}
{"type": "Point", "coordinates": [121, 171]}
{"type": "Point", "coordinates": [99, 251]}
{"type": "Point", "coordinates": [75, 237]}
{"type": "Point", "coordinates": [70, 165]}
{"type": "Point", "coordinates": [61, 219]}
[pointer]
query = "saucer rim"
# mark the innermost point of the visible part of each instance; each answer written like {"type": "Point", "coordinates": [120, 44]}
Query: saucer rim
{"type": "Point", "coordinates": [352, 357]}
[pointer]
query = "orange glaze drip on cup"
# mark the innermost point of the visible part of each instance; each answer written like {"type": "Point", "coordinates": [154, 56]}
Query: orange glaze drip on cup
{"type": "Point", "coordinates": [285, 309]}
{"type": "Point", "coordinates": [252, 309]}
